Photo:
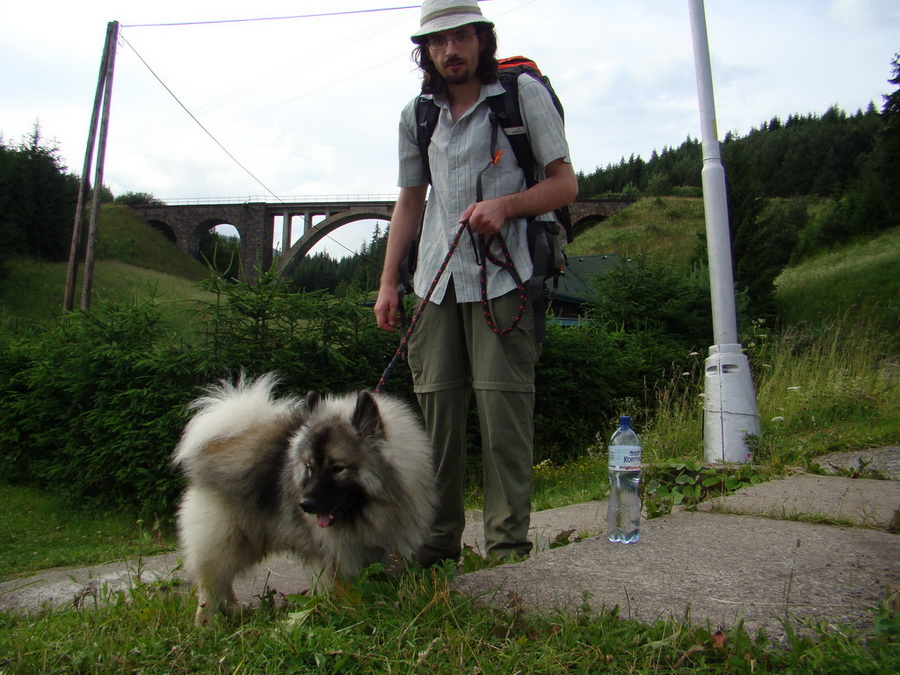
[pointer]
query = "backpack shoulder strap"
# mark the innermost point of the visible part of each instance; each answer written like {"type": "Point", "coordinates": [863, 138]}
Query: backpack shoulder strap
{"type": "Point", "coordinates": [505, 108]}
{"type": "Point", "coordinates": [427, 113]}
{"type": "Point", "coordinates": [509, 115]}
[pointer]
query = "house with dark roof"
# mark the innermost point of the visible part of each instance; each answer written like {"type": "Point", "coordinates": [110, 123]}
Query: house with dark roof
{"type": "Point", "coordinates": [568, 297]}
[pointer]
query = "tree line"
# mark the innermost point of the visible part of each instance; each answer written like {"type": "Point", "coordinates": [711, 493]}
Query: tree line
{"type": "Point", "coordinates": [848, 160]}
{"type": "Point", "coordinates": [37, 200]}
{"type": "Point", "coordinates": [846, 164]}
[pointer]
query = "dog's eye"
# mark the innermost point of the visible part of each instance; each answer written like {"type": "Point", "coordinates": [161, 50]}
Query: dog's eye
{"type": "Point", "coordinates": [338, 468]}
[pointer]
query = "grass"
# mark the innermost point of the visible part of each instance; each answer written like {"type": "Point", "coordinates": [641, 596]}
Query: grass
{"type": "Point", "coordinates": [820, 388]}
{"type": "Point", "coordinates": [669, 228]}
{"type": "Point", "coordinates": [855, 282]}
{"type": "Point", "coordinates": [410, 623]}
{"type": "Point", "coordinates": [414, 623]}
{"type": "Point", "coordinates": [817, 392]}
{"type": "Point", "coordinates": [40, 530]}
{"type": "Point", "coordinates": [125, 237]}
{"type": "Point", "coordinates": [132, 260]}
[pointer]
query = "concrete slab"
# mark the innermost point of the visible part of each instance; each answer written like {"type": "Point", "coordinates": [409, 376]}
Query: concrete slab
{"type": "Point", "coordinates": [283, 573]}
{"type": "Point", "coordinates": [83, 586]}
{"type": "Point", "coordinates": [585, 519]}
{"type": "Point", "coordinates": [860, 501]}
{"type": "Point", "coordinates": [718, 568]}
{"type": "Point", "coordinates": [882, 462]}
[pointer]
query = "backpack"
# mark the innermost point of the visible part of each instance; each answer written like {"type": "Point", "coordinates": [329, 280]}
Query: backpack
{"type": "Point", "coordinates": [547, 256]}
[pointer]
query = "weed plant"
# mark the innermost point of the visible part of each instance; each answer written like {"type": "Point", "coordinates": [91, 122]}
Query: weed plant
{"type": "Point", "coordinates": [817, 392]}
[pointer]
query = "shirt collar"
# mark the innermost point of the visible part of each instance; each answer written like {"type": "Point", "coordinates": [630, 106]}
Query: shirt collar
{"type": "Point", "coordinates": [491, 89]}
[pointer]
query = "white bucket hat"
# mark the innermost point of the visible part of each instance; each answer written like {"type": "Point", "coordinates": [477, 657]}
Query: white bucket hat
{"type": "Point", "coordinates": [439, 15]}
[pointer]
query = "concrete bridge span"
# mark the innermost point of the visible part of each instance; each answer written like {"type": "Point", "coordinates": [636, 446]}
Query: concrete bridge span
{"type": "Point", "coordinates": [257, 221]}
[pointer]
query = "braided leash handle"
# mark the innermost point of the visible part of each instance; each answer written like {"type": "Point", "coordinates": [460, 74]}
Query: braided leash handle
{"type": "Point", "coordinates": [506, 263]}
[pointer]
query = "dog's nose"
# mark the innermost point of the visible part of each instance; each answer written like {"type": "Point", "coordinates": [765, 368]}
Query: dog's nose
{"type": "Point", "coordinates": [308, 504]}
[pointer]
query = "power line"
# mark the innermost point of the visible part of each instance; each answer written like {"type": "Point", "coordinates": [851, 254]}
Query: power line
{"type": "Point", "coordinates": [248, 20]}
{"type": "Point", "coordinates": [216, 141]}
{"type": "Point", "coordinates": [271, 18]}
{"type": "Point", "coordinates": [199, 123]}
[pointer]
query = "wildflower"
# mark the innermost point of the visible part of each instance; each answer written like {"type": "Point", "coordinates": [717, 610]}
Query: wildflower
{"type": "Point", "coordinates": [778, 418]}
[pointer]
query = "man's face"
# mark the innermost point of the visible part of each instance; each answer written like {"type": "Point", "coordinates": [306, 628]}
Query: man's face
{"type": "Point", "coordinates": [455, 53]}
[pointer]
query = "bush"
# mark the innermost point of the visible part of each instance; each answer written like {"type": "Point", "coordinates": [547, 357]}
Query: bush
{"type": "Point", "coordinates": [138, 199]}
{"type": "Point", "coordinates": [654, 297]}
{"type": "Point", "coordinates": [95, 406]}
{"type": "Point", "coordinates": [582, 373]}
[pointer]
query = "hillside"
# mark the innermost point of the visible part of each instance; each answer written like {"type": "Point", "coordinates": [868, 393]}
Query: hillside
{"type": "Point", "coordinates": [132, 259]}
{"type": "Point", "coordinates": [125, 237]}
{"type": "Point", "coordinates": [859, 281]}
{"type": "Point", "coordinates": [136, 260]}
{"type": "Point", "coordinates": [667, 227]}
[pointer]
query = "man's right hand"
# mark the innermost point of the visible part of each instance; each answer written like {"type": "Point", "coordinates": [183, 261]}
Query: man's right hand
{"type": "Point", "coordinates": [387, 308]}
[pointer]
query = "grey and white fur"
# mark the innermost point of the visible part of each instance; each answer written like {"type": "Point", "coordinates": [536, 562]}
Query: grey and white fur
{"type": "Point", "coordinates": [342, 481]}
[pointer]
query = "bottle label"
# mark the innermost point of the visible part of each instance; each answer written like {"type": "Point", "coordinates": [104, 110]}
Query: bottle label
{"type": "Point", "coordinates": [624, 457]}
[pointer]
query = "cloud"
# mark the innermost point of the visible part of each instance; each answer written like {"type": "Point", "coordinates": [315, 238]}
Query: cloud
{"type": "Point", "coordinates": [312, 105]}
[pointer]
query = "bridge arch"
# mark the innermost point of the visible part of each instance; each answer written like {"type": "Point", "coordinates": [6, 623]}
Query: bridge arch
{"type": "Point", "coordinates": [165, 229]}
{"type": "Point", "coordinates": [312, 235]}
{"type": "Point", "coordinates": [255, 221]}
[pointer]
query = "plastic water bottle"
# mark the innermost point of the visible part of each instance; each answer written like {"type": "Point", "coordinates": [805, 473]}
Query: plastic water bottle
{"type": "Point", "coordinates": [623, 515]}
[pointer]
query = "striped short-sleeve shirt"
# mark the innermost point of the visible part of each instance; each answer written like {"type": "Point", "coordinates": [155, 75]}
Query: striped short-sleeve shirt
{"type": "Point", "coordinates": [457, 153]}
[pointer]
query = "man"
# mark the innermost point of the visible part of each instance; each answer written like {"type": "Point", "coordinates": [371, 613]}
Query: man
{"type": "Point", "coordinates": [453, 350]}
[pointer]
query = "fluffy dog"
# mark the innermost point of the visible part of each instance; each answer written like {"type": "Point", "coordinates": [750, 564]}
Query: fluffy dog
{"type": "Point", "coordinates": [343, 482]}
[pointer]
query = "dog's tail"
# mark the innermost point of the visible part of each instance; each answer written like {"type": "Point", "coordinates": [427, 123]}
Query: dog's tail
{"type": "Point", "coordinates": [228, 410]}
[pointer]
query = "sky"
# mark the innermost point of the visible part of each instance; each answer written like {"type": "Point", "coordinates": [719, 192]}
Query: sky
{"type": "Point", "coordinates": [309, 105]}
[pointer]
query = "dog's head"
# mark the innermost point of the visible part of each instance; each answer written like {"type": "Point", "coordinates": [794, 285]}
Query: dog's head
{"type": "Point", "coordinates": [337, 458]}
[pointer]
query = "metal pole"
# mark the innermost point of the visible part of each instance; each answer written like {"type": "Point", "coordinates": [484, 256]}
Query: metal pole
{"type": "Point", "coordinates": [113, 36]}
{"type": "Point", "coordinates": [730, 412]}
{"type": "Point", "coordinates": [84, 184]}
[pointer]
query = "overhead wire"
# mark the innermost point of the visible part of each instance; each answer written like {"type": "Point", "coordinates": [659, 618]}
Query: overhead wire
{"type": "Point", "coordinates": [199, 123]}
{"type": "Point", "coordinates": [270, 18]}
{"type": "Point", "coordinates": [285, 245]}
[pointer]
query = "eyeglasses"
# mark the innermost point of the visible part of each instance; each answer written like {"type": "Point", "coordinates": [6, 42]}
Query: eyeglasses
{"type": "Point", "coordinates": [459, 38]}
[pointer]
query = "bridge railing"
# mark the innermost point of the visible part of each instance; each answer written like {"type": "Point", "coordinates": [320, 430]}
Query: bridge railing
{"type": "Point", "coordinates": [274, 201]}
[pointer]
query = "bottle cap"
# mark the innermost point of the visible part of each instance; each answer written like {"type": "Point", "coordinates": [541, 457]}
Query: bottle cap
{"type": "Point", "coordinates": [625, 421]}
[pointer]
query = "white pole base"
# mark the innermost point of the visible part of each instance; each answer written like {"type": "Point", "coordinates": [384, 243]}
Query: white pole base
{"type": "Point", "coordinates": [730, 414]}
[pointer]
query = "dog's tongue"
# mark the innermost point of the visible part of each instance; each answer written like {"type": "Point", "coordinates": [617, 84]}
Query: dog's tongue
{"type": "Point", "coordinates": [324, 519]}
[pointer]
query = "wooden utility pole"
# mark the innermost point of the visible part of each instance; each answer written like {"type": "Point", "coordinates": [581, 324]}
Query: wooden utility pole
{"type": "Point", "coordinates": [101, 100]}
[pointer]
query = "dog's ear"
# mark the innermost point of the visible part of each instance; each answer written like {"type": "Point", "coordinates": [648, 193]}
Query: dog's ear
{"type": "Point", "coordinates": [312, 400]}
{"type": "Point", "coordinates": [366, 417]}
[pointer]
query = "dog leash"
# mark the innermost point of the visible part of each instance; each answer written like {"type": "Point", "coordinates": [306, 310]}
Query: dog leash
{"type": "Point", "coordinates": [421, 309]}
{"type": "Point", "coordinates": [483, 250]}
{"type": "Point", "coordinates": [482, 255]}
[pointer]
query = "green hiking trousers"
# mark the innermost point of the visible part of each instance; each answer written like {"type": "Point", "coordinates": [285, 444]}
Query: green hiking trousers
{"type": "Point", "coordinates": [453, 352]}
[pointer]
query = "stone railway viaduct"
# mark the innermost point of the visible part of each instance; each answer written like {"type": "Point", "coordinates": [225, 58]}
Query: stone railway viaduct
{"type": "Point", "coordinates": [256, 221]}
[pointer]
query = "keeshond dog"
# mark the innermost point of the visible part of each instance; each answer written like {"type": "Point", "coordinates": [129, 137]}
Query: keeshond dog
{"type": "Point", "coordinates": [342, 481]}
